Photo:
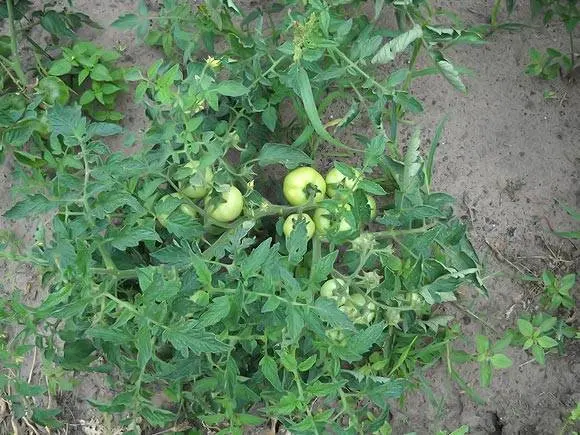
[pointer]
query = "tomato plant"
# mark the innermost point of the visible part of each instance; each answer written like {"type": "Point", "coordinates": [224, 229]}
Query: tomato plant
{"type": "Point", "coordinates": [178, 270]}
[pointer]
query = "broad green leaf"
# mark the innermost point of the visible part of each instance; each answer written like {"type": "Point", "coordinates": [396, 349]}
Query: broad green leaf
{"type": "Point", "coordinates": [481, 344]}
{"type": "Point", "coordinates": [539, 354]}
{"type": "Point", "coordinates": [144, 346]}
{"type": "Point", "coordinates": [485, 373]}
{"type": "Point", "coordinates": [276, 154]}
{"type": "Point", "coordinates": [60, 67]}
{"type": "Point", "coordinates": [103, 129]}
{"type": "Point", "coordinates": [269, 369]}
{"type": "Point", "coordinates": [217, 310]}
{"type": "Point", "coordinates": [294, 322]}
{"type": "Point", "coordinates": [270, 118]}
{"type": "Point", "coordinates": [525, 327]}
{"type": "Point", "coordinates": [87, 97]}
{"type": "Point", "coordinates": [253, 263]}
{"type": "Point", "coordinates": [57, 24]}
{"type": "Point", "coordinates": [361, 342]}
{"type": "Point", "coordinates": [501, 361]}
{"type": "Point", "coordinates": [127, 21]}
{"type": "Point", "coordinates": [297, 243]}
{"type": "Point", "coordinates": [396, 45]}
{"type": "Point", "coordinates": [28, 159]}
{"type": "Point", "coordinates": [101, 73]}
{"type": "Point", "coordinates": [31, 206]}
{"type": "Point", "coordinates": [307, 364]}
{"type": "Point", "coordinates": [547, 342]}
{"type": "Point", "coordinates": [304, 89]}
{"type": "Point", "coordinates": [157, 417]}
{"type": "Point", "coordinates": [230, 88]}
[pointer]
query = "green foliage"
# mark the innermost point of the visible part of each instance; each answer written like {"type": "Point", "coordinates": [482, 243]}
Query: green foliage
{"type": "Point", "coordinates": [553, 62]}
{"type": "Point", "coordinates": [549, 65]}
{"type": "Point", "coordinates": [93, 75]}
{"type": "Point", "coordinates": [557, 291]}
{"type": "Point", "coordinates": [490, 357]}
{"type": "Point", "coordinates": [541, 333]}
{"type": "Point", "coordinates": [226, 319]}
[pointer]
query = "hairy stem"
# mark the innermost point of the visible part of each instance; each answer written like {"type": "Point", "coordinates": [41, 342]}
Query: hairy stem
{"type": "Point", "coordinates": [16, 65]}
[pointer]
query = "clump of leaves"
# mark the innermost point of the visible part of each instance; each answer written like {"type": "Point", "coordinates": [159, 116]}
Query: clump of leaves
{"type": "Point", "coordinates": [549, 65]}
{"type": "Point", "coordinates": [541, 333]}
{"type": "Point", "coordinates": [92, 73]}
{"type": "Point", "coordinates": [490, 357]}
{"type": "Point", "coordinates": [557, 291]}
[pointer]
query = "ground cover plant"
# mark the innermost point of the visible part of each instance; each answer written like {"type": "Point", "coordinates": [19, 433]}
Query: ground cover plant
{"type": "Point", "coordinates": [221, 267]}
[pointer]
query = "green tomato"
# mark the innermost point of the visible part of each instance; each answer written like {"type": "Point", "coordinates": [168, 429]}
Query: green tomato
{"type": "Point", "coordinates": [336, 179]}
{"type": "Point", "coordinates": [333, 287]}
{"type": "Point", "coordinates": [324, 222]}
{"type": "Point", "coordinates": [301, 183]}
{"type": "Point", "coordinates": [203, 181]}
{"type": "Point", "coordinates": [350, 310]}
{"type": "Point", "coordinates": [293, 219]}
{"type": "Point", "coordinates": [372, 205]}
{"type": "Point", "coordinates": [230, 206]}
{"type": "Point", "coordinates": [358, 300]}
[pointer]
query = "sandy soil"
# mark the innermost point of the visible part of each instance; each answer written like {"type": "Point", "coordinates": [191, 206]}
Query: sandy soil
{"type": "Point", "coordinates": [507, 155]}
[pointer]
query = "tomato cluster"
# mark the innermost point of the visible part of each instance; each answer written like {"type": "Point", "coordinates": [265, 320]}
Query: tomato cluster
{"type": "Point", "coordinates": [304, 185]}
{"type": "Point", "coordinates": [356, 306]}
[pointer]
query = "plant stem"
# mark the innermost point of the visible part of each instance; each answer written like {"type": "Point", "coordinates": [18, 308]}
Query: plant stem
{"type": "Point", "coordinates": [395, 233]}
{"type": "Point", "coordinates": [16, 65]}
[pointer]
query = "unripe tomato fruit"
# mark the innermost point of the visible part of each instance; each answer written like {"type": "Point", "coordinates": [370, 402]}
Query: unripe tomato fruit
{"type": "Point", "coordinates": [358, 300]}
{"type": "Point", "coordinates": [323, 221]}
{"type": "Point", "coordinates": [293, 219]}
{"type": "Point", "coordinates": [333, 287]}
{"type": "Point", "coordinates": [301, 183]}
{"type": "Point", "coordinates": [335, 178]}
{"type": "Point", "coordinates": [229, 208]}
{"type": "Point", "coordinates": [200, 190]}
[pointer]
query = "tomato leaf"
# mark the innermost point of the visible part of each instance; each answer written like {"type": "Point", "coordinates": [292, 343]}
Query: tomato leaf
{"type": "Point", "coordinates": [275, 153]}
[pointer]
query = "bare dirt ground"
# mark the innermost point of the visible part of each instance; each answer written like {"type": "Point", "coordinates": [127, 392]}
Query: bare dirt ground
{"type": "Point", "coordinates": [507, 155]}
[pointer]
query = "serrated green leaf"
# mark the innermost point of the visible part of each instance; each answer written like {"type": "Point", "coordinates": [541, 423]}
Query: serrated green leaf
{"type": "Point", "coordinates": [101, 73]}
{"type": "Point", "coordinates": [132, 236]}
{"type": "Point", "coordinates": [189, 337]}
{"type": "Point", "coordinates": [396, 45]}
{"type": "Point", "coordinates": [60, 67]}
{"type": "Point", "coordinates": [218, 309]}
{"type": "Point", "coordinates": [31, 206]}
{"type": "Point", "coordinates": [501, 361]}
{"type": "Point", "coordinates": [230, 88]}
{"type": "Point", "coordinates": [269, 369]}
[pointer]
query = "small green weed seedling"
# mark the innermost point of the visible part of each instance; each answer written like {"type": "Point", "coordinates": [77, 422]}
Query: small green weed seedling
{"type": "Point", "coordinates": [541, 332]}
{"type": "Point", "coordinates": [490, 357]}
{"type": "Point", "coordinates": [557, 291]}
